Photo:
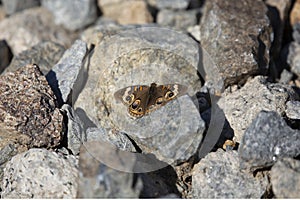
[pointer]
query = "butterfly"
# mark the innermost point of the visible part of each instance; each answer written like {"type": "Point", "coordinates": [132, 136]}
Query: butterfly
{"type": "Point", "coordinates": [143, 99]}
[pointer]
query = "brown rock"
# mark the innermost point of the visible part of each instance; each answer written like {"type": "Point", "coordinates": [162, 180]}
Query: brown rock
{"type": "Point", "coordinates": [126, 12]}
{"type": "Point", "coordinates": [236, 34]}
{"type": "Point", "coordinates": [295, 13]}
{"type": "Point", "coordinates": [28, 105]}
{"type": "Point", "coordinates": [27, 28]}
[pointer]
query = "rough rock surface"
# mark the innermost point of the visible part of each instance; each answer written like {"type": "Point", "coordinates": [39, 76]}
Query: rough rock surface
{"type": "Point", "coordinates": [242, 106]}
{"type": "Point", "coordinates": [25, 29]}
{"type": "Point", "coordinates": [44, 54]}
{"type": "Point", "coordinates": [267, 139]}
{"type": "Point", "coordinates": [237, 36]}
{"type": "Point", "coordinates": [39, 173]}
{"type": "Point", "coordinates": [292, 109]}
{"type": "Point", "coordinates": [71, 14]}
{"type": "Point", "coordinates": [12, 6]}
{"type": "Point", "coordinates": [126, 12]}
{"type": "Point", "coordinates": [218, 176]}
{"type": "Point", "coordinates": [285, 178]}
{"type": "Point", "coordinates": [295, 13]}
{"type": "Point", "coordinates": [28, 105]}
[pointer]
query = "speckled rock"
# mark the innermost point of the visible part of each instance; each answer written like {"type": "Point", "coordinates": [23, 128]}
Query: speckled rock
{"type": "Point", "coordinates": [98, 180]}
{"type": "Point", "coordinates": [292, 109]}
{"type": "Point", "coordinates": [169, 4]}
{"type": "Point", "coordinates": [218, 176]}
{"type": "Point", "coordinates": [267, 139]}
{"type": "Point", "coordinates": [142, 55]}
{"type": "Point", "coordinates": [12, 6]}
{"type": "Point", "coordinates": [177, 19]}
{"type": "Point", "coordinates": [126, 12]}
{"type": "Point", "coordinates": [242, 106]}
{"type": "Point", "coordinates": [25, 29]}
{"type": "Point", "coordinates": [39, 173]}
{"type": "Point", "coordinates": [63, 76]}
{"type": "Point", "coordinates": [28, 105]}
{"type": "Point", "coordinates": [71, 14]}
{"type": "Point", "coordinates": [285, 178]}
{"type": "Point", "coordinates": [5, 55]}
{"type": "Point", "coordinates": [44, 54]}
{"type": "Point", "coordinates": [237, 36]}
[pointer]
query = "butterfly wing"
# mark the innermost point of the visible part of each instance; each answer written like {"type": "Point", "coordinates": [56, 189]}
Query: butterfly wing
{"type": "Point", "coordinates": [162, 94]}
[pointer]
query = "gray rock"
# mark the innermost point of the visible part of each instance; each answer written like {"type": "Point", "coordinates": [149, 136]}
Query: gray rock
{"type": "Point", "coordinates": [296, 33]}
{"type": "Point", "coordinates": [177, 19]}
{"type": "Point", "coordinates": [293, 109]}
{"type": "Point", "coordinates": [44, 54]}
{"type": "Point", "coordinates": [12, 6]}
{"type": "Point", "coordinates": [5, 55]}
{"type": "Point", "coordinates": [285, 178]}
{"type": "Point", "coordinates": [98, 180]}
{"type": "Point", "coordinates": [218, 176]}
{"type": "Point", "coordinates": [169, 4]}
{"type": "Point", "coordinates": [25, 29]}
{"type": "Point", "coordinates": [237, 36]}
{"type": "Point", "coordinates": [285, 77]}
{"type": "Point", "coordinates": [75, 127]}
{"type": "Point", "coordinates": [29, 106]}
{"type": "Point", "coordinates": [67, 71]}
{"type": "Point", "coordinates": [172, 133]}
{"type": "Point", "coordinates": [267, 139]}
{"type": "Point", "coordinates": [39, 173]}
{"type": "Point", "coordinates": [294, 57]}
{"type": "Point", "coordinates": [71, 14]}
{"type": "Point", "coordinates": [119, 139]}
{"type": "Point", "coordinates": [242, 106]}
{"type": "Point", "coordinates": [142, 55]}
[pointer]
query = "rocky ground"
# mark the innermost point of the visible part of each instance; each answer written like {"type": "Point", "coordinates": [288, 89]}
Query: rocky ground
{"type": "Point", "coordinates": [234, 134]}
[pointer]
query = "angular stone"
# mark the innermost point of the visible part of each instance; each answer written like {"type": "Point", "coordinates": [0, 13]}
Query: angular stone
{"type": "Point", "coordinates": [99, 180]}
{"type": "Point", "coordinates": [5, 55]}
{"type": "Point", "coordinates": [71, 14]}
{"type": "Point", "coordinates": [12, 6]}
{"type": "Point", "coordinates": [44, 54]}
{"type": "Point", "coordinates": [63, 76]}
{"type": "Point", "coordinates": [28, 105]}
{"type": "Point", "coordinates": [39, 173]}
{"type": "Point", "coordinates": [25, 29]}
{"type": "Point", "coordinates": [293, 109]}
{"type": "Point", "coordinates": [218, 176]}
{"type": "Point", "coordinates": [177, 19]}
{"type": "Point", "coordinates": [126, 12]}
{"type": "Point", "coordinates": [285, 178]}
{"type": "Point", "coordinates": [242, 106]}
{"type": "Point", "coordinates": [237, 36]}
{"type": "Point", "coordinates": [267, 139]}
{"type": "Point", "coordinates": [169, 4]}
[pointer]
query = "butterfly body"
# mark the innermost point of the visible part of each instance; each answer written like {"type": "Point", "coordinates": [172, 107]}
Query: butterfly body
{"type": "Point", "coordinates": [143, 99]}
